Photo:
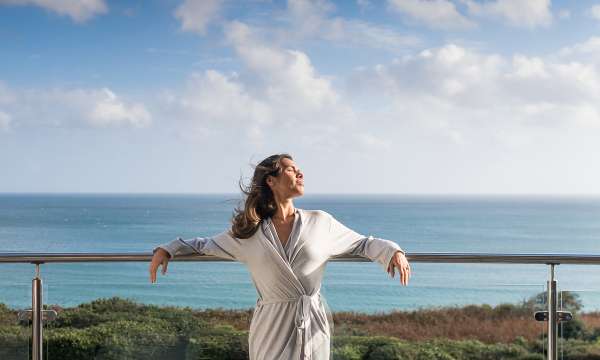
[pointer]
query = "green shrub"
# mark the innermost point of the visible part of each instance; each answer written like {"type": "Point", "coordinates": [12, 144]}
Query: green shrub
{"type": "Point", "coordinates": [379, 348]}
{"type": "Point", "coordinates": [570, 301]}
{"type": "Point", "coordinates": [433, 353]}
{"type": "Point", "coordinates": [574, 349]}
{"type": "Point", "coordinates": [14, 342]}
{"type": "Point", "coordinates": [224, 343]}
{"type": "Point", "coordinates": [475, 349]}
{"type": "Point", "coordinates": [72, 344]}
{"type": "Point", "coordinates": [123, 339]}
{"type": "Point", "coordinates": [393, 351]}
{"type": "Point", "coordinates": [574, 329]}
{"type": "Point", "coordinates": [348, 352]}
{"type": "Point", "coordinates": [592, 335]}
{"type": "Point", "coordinates": [532, 357]}
{"type": "Point", "coordinates": [117, 328]}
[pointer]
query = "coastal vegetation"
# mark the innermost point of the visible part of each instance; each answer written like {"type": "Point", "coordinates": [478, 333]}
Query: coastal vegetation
{"type": "Point", "coordinates": [117, 328]}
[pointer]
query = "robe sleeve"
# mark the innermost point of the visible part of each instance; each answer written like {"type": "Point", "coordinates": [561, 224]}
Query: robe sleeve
{"type": "Point", "coordinates": [347, 241]}
{"type": "Point", "coordinates": [222, 245]}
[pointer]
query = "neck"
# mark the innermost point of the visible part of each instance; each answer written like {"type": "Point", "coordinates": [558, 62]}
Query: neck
{"type": "Point", "coordinates": [285, 210]}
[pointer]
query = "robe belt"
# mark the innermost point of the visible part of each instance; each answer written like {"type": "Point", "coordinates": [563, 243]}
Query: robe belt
{"type": "Point", "coordinates": [303, 320]}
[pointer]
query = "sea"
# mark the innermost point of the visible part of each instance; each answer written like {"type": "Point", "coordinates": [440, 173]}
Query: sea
{"type": "Point", "coordinates": [76, 223]}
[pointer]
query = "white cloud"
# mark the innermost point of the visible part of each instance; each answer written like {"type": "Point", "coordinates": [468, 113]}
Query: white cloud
{"type": "Point", "coordinates": [6, 98]}
{"type": "Point", "coordinates": [365, 34]}
{"type": "Point", "coordinates": [594, 11]}
{"type": "Point", "coordinates": [285, 74]}
{"type": "Point", "coordinates": [303, 19]}
{"type": "Point", "coordinates": [277, 94]}
{"type": "Point", "coordinates": [590, 46]}
{"type": "Point", "coordinates": [529, 13]}
{"type": "Point", "coordinates": [5, 120]}
{"type": "Point", "coordinates": [109, 110]}
{"type": "Point", "coordinates": [80, 11]}
{"type": "Point", "coordinates": [364, 4]}
{"type": "Point", "coordinates": [196, 15]}
{"type": "Point", "coordinates": [213, 101]}
{"type": "Point", "coordinates": [6, 95]}
{"type": "Point", "coordinates": [73, 108]}
{"type": "Point", "coordinates": [464, 94]}
{"type": "Point", "coordinates": [440, 14]}
{"type": "Point", "coordinates": [564, 14]}
{"type": "Point", "coordinates": [313, 19]}
{"type": "Point", "coordinates": [587, 52]}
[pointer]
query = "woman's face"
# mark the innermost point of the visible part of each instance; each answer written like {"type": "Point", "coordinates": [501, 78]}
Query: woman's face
{"type": "Point", "coordinates": [290, 183]}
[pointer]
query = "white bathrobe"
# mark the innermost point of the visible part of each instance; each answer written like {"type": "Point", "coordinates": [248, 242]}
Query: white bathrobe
{"type": "Point", "coordinates": [290, 320]}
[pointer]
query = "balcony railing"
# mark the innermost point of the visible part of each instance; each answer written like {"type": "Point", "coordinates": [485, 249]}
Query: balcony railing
{"type": "Point", "coordinates": [552, 315]}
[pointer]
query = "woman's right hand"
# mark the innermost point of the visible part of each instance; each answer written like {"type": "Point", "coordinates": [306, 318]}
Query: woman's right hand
{"type": "Point", "coordinates": [161, 257]}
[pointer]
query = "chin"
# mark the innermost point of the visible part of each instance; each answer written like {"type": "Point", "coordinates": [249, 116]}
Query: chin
{"type": "Point", "coordinates": [299, 192]}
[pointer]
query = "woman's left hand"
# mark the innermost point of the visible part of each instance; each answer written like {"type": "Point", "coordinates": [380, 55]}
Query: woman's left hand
{"type": "Point", "coordinates": [399, 261]}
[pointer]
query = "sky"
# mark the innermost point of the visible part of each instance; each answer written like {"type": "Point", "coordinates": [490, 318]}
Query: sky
{"type": "Point", "coordinates": [390, 96]}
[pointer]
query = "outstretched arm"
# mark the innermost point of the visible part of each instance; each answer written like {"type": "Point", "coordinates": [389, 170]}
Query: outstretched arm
{"type": "Point", "coordinates": [347, 241]}
{"type": "Point", "coordinates": [222, 245]}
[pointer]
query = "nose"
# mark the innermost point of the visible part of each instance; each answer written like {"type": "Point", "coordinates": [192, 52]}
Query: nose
{"type": "Point", "coordinates": [299, 175]}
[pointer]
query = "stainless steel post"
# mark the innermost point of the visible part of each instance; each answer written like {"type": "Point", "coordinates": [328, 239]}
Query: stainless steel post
{"type": "Point", "coordinates": [36, 315]}
{"type": "Point", "coordinates": [552, 317]}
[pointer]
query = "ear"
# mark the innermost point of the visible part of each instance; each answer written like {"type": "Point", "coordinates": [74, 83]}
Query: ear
{"type": "Point", "coordinates": [270, 181]}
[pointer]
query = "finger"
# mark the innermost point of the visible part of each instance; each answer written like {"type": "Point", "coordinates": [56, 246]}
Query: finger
{"type": "Point", "coordinates": [401, 272]}
{"type": "Point", "coordinates": [152, 272]}
{"type": "Point", "coordinates": [165, 263]}
{"type": "Point", "coordinates": [404, 276]}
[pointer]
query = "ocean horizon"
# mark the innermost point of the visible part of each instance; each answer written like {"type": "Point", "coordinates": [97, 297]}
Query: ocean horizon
{"type": "Point", "coordinates": [127, 222]}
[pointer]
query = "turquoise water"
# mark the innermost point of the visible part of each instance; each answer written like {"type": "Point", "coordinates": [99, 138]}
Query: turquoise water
{"type": "Point", "coordinates": [122, 223]}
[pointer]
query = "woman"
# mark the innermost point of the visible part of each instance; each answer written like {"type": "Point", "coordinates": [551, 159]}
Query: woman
{"type": "Point", "coordinates": [286, 250]}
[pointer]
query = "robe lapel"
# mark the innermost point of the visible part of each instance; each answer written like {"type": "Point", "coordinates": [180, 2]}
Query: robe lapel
{"type": "Point", "coordinates": [280, 260]}
{"type": "Point", "coordinates": [293, 244]}
{"type": "Point", "coordinates": [298, 243]}
{"type": "Point", "coordinates": [271, 235]}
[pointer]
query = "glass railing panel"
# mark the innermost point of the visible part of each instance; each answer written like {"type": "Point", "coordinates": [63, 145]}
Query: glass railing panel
{"type": "Point", "coordinates": [15, 300]}
{"type": "Point", "coordinates": [111, 311]}
{"type": "Point", "coordinates": [579, 294]}
{"type": "Point", "coordinates": [459, 311]}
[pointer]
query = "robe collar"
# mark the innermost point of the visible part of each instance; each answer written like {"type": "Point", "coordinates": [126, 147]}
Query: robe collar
{"type": "Point", "coordinates": [270, 243]}
{"type": "Point", "coordinates": [290, 250]}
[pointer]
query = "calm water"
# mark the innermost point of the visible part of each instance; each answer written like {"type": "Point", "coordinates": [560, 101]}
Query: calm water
{"type": "Point", "coordinates": [121, 223]}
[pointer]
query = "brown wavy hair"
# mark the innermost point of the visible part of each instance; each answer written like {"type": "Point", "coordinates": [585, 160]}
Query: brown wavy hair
{"type": "Point", "coordinates": [259, 200]}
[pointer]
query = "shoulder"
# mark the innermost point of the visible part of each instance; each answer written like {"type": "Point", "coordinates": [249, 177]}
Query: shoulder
{"type": "Point", "coordinates": [228, 237]}
{"type": "Point", "coordinates": [317, 215]}
{"type": "Point", "coordinates": [224, 235]}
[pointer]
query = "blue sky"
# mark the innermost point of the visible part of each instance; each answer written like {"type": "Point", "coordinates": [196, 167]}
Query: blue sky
{"type": "Point", "coordinates": [396, 96]}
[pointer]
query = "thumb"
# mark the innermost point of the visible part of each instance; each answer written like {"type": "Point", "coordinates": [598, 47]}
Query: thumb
{"type": "Point", "coordinates": [165, 264]}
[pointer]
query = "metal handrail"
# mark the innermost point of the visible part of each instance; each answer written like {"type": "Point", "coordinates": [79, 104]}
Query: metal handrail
{"type": "Point", "coordinates": [551, 315]}
{"type": "Point", "coordinates": [428, 257]}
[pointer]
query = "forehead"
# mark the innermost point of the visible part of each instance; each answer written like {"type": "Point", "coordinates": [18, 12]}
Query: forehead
{"type": "Point", "coordinates": [285, 162]}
